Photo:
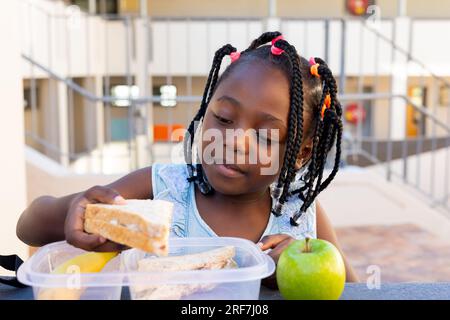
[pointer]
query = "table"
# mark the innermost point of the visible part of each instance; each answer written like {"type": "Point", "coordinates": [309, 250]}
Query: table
{"type": "Point", "coordinates": [353, 291]}
{"type": "Point", "coordinates": [388, 291]}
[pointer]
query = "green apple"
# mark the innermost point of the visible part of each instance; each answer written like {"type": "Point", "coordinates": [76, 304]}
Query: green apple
{"type": "Point", "coordinates": [311, 269]}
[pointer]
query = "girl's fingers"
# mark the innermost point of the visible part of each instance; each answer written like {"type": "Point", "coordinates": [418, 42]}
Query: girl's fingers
{"type": "Point", "coordinates": [110, 246]}
{"type": "Point", "coordinates": [276, 252]}
{"type": "Point", "coordinates": [74, 219]}
{"type": "Point", "coordinates": [85, 241]}
{"type": "Point", "coordinates": [74, 226]}
{"type": "Point", "coordinates": [271, 241]}
{"type": "Point", "coordinates": [104, 195]}
{"type": "Point", "coordinates": [271, 281]}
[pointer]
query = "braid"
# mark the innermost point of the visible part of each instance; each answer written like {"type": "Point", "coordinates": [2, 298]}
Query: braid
{"type": "Point", "coordinates": [337, 158]}
{"type": "Point", "coordinates": [329, 128]}
{"type": "Point", "coordinates": [334, 114]}
{"type": "Point", "coordinates": [323, 149]}
{"type": "Point", "coordinates": [197, 175]}
{"type": "Point", "coordinates": [263, 39]}
{"type": "Point", "coordinates": [313, 167]}
{"type": "Point", "coordinates": [295, 129]}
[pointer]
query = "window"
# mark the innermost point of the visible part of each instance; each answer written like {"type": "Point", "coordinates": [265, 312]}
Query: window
{"type": "Point", "coordinates": [123, 93]}
{"type": "Point", "coordinates": [444, 92]}
{"type": "Point", "coordinates": [101, 6]}
{"type": "Point", "coordinates": [27, 103]}
{"type": "Point", "coordinates": [168, 94]}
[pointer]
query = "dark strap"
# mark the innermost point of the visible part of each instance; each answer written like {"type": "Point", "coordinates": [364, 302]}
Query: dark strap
{"type": "Point", "coordinates": [11, 263]}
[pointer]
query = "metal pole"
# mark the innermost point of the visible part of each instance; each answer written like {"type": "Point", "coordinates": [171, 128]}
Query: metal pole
{"type": "Point", "coordinates": [92, 6]}
{"type": "Point", "coordinates": [189, 113]}
{"type": "Point", "coordinates": [169, 82]}
{"type": "Point", "coordinates": [247, 31]}
{"type": "Point", "coordinates": [70, 93]}
{"type": "Point", "coordinates": [359, 129]}
{"type": "Point", "coordinates": [51, 96]}
{"type": "Point", "coordinates": [327, 40]}
{"type": "Point", "coordinates": [421, 135]}
{"type": "Point", "coordinates": [405, 159]}
{"type": "Point", "coordinates": [272, 8]}
{"type": "Point", "coordinates": [377, 89]}
{"type": "Point", "coordinates": [435, 101]}
{"type": "Point", "coordinates": [34, 121]}
{"type": "Point", "coordinates": [106, 88]}
{"type": "Point", "coordinates": [447, 158]}
{"type": "Point", "coordinates": [88, 44]}
{"type": "Point", "coordinates": [129, 85]}
{"type": "Point", "coordinates": [148, 108]}
{"type": "Point", "coordinates": [343, 47]}
{"type": "Point", "coordinates": [389, 141]}
{"type": "Point", "coordinates": [401, 8]}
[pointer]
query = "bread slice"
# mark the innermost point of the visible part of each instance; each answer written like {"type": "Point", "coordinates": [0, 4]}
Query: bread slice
{"type": "Point", "coordinates": [141, 224]}
{"type": "Point", "coordinates": [212, 259]}
{"type": "Point", "coordinates": [221, 258]}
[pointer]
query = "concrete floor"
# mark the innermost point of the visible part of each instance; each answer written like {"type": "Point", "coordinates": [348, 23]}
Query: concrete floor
{"type": "Point", "coordinates": [404, 253]}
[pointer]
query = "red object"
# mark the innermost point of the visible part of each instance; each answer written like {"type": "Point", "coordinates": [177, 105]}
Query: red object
{"type": "Point", "coordinates": [166, 133]}
{"type": "Point", "coordinates": [354, 113]}
{"type": "Point", "coordinates": [234, 56]}
{"type": "Point", "coordinates": [357, 7]}
{"type": "Point", "coordinates": [312, 61]}
{"type": "Point", "coordinates": [276, 51]}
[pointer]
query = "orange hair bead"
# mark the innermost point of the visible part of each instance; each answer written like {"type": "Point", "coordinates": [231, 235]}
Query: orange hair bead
{"type": "Point", "coordinates": [327, 100]}
{"type": "Point", "coordinates": [322, 113]}
{"type": "Point", "coordinates": [314, 70]}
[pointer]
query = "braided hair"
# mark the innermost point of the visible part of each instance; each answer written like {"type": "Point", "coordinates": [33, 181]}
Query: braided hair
{"type": "Point", "coordinates": [325, 128]}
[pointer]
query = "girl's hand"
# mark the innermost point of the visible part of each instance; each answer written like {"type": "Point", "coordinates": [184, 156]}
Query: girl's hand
{"type": "Point", "coordinates": [276, 242]}
{"type": "Point", "coordinates": [74, 224]}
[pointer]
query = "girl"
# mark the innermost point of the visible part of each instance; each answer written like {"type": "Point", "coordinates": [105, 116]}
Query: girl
{"type": "Point", "coordinates": [265, 87]}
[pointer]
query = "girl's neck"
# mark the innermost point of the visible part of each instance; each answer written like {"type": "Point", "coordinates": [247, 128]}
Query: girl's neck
{"type": "Point", "coordinates": [245, 216]}
{"type": "Point", "coordinates": [242, 199]}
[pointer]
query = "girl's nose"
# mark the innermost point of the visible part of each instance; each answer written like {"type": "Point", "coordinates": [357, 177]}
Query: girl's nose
{"type": "Point", "coordinates": [244, 141]}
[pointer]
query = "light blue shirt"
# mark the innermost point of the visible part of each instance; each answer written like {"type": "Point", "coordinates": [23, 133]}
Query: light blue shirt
{"type": "Point", "coordinates": [169, 182]}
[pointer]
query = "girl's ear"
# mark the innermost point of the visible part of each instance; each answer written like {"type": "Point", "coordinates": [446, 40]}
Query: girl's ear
{"type": "Point", "coordinates": [304, 154]}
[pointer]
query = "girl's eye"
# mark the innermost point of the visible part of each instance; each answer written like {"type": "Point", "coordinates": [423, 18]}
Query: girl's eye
{"type": "Point", "coordinates": [222, 120]}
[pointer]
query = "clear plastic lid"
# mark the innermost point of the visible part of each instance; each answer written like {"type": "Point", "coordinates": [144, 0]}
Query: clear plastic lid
{"type": "Point", "coordinates": [252, 263]}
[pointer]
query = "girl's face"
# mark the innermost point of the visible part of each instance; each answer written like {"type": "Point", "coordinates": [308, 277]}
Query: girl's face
{"type": "Point", "coordinates": [253, 97]}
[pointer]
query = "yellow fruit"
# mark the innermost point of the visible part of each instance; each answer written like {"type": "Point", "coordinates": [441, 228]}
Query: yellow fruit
{"type": "Point", "coordinates": [90, 262]}
{"type": "Point", "coordinates": [86, 263]}
{"type": "Point", "coordinates": [59, 294]}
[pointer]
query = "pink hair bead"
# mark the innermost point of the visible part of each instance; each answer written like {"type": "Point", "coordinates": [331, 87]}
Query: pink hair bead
{"type": "Point", "coordinates": [235, 56]}
{"type": "Point", "coordinates": [276, 51]}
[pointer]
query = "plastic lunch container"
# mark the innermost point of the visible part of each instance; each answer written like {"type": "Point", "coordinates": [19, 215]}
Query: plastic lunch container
{"type": "Point", "coordinates": [230, 284]}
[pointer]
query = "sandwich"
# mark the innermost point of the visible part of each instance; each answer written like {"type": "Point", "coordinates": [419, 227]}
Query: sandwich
{"type": "Point", "coordinates": [221, 258]}
{"type": "Point", "coordinates": [141, 224]}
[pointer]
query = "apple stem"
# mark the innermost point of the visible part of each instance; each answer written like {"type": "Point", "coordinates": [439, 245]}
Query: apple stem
{"type": "Point", "coordinates": [307, 245]}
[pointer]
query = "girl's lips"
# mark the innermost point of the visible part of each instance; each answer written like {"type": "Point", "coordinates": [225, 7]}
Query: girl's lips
{"type": "Point", "coordinates": [229, 170]}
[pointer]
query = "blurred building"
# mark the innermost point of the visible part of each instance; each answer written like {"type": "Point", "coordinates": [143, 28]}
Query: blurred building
{"type": "Point", "coordinates": [164, 49]}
